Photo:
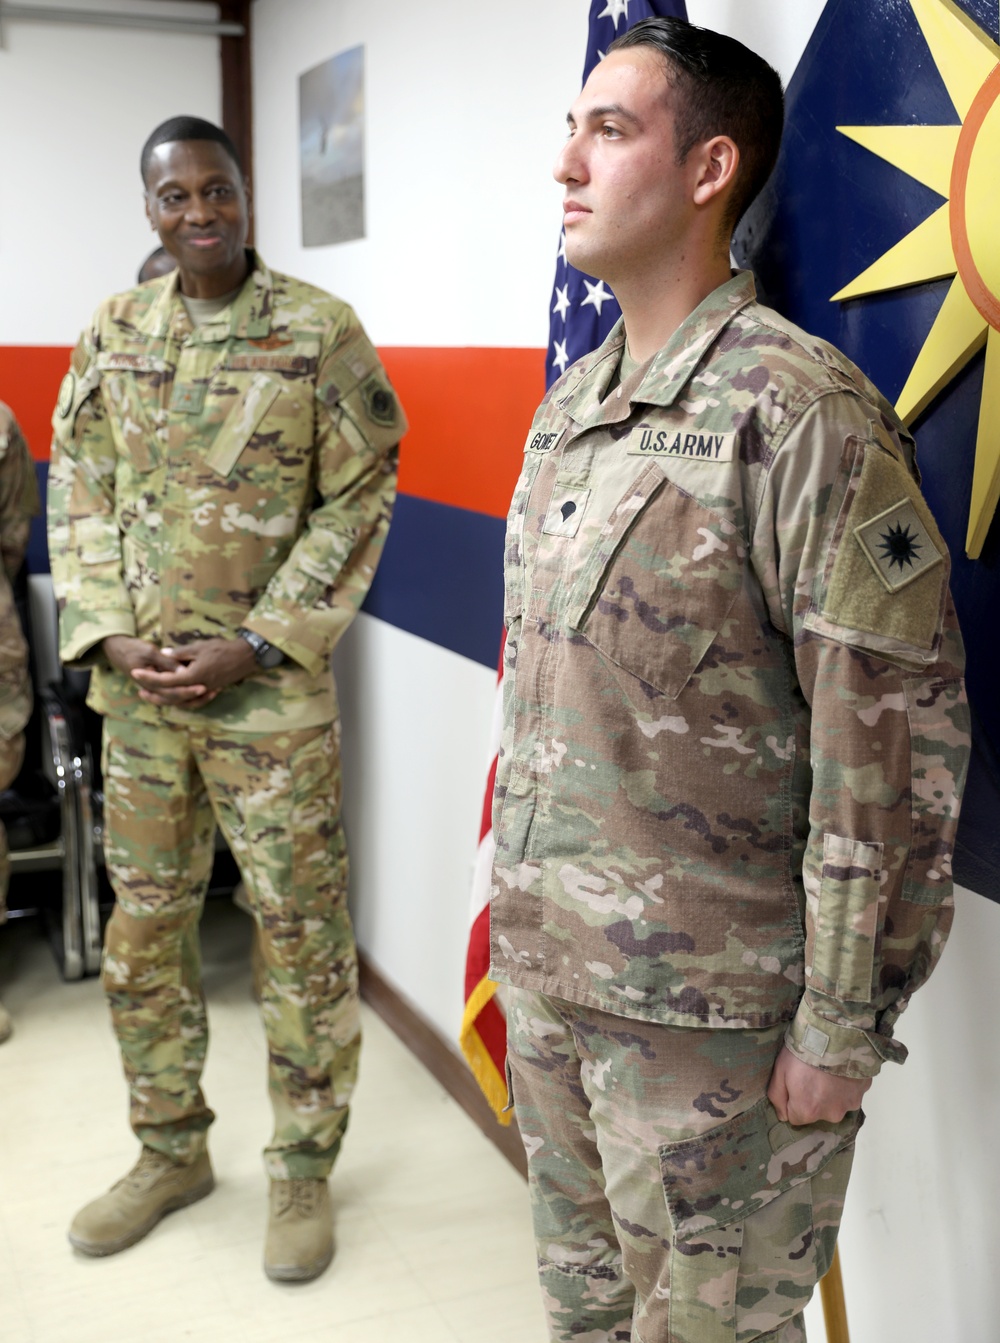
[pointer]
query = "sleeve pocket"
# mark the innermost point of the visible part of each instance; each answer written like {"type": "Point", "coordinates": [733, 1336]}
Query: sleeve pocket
{"type": "Point", "coordinates": [841, 956]}
{"type": "Point", "coordinates": [659, 583]}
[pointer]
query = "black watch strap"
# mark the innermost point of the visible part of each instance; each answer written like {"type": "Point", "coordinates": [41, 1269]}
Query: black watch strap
{"type": "Point", "coordinates": [265, 654]}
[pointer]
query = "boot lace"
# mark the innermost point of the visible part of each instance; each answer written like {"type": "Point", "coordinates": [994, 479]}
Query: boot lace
{"type": "Point", "coordinates": [296, 1197]}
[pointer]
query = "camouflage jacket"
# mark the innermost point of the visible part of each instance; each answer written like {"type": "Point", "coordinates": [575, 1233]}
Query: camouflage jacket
{"type": "Point", "coordinates": [240, 473]}
{"type": "Point", "coordinates": [735, 726]}
{"type": "Point", "coordinates": [18, 505]}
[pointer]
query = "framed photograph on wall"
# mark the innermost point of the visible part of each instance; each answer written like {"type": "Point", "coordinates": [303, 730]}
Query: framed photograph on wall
{"type": "Point", "coordinates": [332, 149]}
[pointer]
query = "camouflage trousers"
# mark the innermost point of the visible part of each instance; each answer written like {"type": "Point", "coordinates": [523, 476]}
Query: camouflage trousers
{"type": "Point", "coordinates": [276, 798]}
{"type": "Point", "coordinates": [11, 759]}
{"type": "Point", "coordinates": [670, 1204]}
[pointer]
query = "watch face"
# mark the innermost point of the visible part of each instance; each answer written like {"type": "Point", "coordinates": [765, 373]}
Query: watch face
{"type": "Point", "coordinates": [269, 656]}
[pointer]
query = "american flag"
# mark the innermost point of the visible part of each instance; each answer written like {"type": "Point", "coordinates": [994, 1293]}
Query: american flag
{"type": "Point", "coordinates": [582, 312]}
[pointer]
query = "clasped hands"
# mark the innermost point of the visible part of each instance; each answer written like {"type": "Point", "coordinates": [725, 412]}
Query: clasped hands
{"type": "Point", "coordinates": [190, 676]}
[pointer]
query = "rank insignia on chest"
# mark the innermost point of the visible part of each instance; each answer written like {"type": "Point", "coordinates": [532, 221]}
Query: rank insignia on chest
{"type": "Point", "coordinates": [188, 398]}
{"type": "Point", "coordinates": [693, 445]}
{"type": "Point", "coordinates": [898, 545]}
{"type": "Point", "coordinates": [565, 511]}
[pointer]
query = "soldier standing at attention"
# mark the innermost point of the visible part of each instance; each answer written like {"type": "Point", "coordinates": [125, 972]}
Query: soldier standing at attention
{"type": "Point", "coordinates": [735, 739]}
{"type": "Point", "coordinates": [222, 476]}
{"type": "Point", "coordinates": [18, 505]}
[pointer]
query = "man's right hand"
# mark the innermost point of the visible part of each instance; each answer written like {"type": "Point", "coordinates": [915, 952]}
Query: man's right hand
{"type": "Point", "coordinates": [128, 655]}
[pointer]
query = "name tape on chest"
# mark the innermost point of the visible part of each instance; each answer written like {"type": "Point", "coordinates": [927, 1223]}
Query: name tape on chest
{"type": "Point", "coordinates": [692, 445]}
{"type": "Point", "coordinates": [543, 442]}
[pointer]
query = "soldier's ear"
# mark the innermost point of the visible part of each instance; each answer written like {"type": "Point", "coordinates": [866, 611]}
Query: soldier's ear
{"type": "Point", "coordinates": [149, 213]}
{"type": "Point", "coordinates": [716, 165]}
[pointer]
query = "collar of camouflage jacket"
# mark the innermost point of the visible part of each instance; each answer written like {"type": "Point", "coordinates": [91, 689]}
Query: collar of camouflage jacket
{"type": "Point", "coordinates": [671, 367]}
{"type": "Point", "coordinates": [248, 317]}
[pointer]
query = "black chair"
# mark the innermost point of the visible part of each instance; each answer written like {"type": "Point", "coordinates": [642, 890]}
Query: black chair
{"type": "Point", "coordinates": [52, 810]}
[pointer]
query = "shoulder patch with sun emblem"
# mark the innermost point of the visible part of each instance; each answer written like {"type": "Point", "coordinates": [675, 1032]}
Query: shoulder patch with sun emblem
{"type": "Point", "coordinates": [897, 545]}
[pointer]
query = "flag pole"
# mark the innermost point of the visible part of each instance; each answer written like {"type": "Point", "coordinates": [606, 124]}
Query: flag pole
{"type": "Point", "coordinates": [831, 1291]}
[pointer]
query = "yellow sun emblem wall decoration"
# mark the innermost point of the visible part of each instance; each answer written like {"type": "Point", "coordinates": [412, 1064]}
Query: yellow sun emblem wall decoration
{"type": "Point", "coordinates": [961, 238]}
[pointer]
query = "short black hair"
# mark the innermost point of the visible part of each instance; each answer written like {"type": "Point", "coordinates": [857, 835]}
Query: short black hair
{"type": "Point", "coordinates": [720, 87]}
{"type": "Point", "coordinates": [186, 128]}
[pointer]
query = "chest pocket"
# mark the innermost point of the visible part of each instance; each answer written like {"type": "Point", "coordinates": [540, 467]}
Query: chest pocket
{"type": "Point", "coordinates": [133, 432]}
{"type": "Point", "coordinates": [514, 540]}
{"type": "Point", "coordinates": [658, 584]}
{"type": "Point", "coordinates": [242, 423]}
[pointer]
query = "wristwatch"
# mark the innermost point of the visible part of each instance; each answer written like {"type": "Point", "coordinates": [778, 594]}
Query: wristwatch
{"type": "Point", "coordinates": [265, 654]}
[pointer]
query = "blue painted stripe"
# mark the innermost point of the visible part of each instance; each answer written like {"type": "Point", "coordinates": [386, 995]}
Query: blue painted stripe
{"type": "Point", "coordinates": [441, 577]}
{"type": "Point", "coordinates": [37, 553]}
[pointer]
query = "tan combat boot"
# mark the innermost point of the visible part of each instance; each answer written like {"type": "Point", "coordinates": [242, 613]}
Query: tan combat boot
{"type": "Point", "coordinates": [299, 1242]}
{"type": "Point", "coordinates": [6, 1025]}
{"type": "Point", "coordinates": [153, 1187]}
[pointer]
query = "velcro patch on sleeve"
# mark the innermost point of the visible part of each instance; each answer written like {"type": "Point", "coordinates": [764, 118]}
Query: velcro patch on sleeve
{"type": "Point", "coordinates": [888, 572]}
{"type": "Point", "coordinates": [74, 390]}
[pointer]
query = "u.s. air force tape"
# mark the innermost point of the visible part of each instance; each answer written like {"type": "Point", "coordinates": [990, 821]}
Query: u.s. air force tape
{"type": "Point", "coordinates": [693, 445]}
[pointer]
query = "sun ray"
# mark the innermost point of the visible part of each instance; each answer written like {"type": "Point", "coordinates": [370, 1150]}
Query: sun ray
{"type": "Point", "coordinates": [923, 152]}
{"type": "Point", "coordinates": [924, 254]}
{"type": "Point", "coordinates": [986, 477]}
{"type": "Point", "coordinates": [959, 331]}
{"type": "Point", "coordinates": [963, 53]}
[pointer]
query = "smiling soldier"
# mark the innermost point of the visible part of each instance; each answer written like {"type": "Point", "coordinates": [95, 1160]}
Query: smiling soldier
{"type": "Point", "coordinates": [222, 477]}
{"type": "Point", "coordinates": [735, 740]}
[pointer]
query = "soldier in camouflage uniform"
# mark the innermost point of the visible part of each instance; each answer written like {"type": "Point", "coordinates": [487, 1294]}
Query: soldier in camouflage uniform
{"type": "Point", "coordinates": [735, 741]}
{"type": "Point", "coordinates": [18, 505]}
{"type": "Point", "coordinates": [222, 477]}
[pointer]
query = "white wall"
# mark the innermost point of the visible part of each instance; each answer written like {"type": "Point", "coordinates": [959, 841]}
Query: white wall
{"type": "Point", "coordinates": [466, 107]}
{"type": "Point", "coordinates": [465, 114]}
{"type": "Point", "coordinates": [416, 721]}
{"type": "Point", "coordinates": [76, 104]}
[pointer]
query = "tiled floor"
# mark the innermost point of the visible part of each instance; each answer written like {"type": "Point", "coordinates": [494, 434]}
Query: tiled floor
{"type": "Point", "coordinates": [432, 1223]}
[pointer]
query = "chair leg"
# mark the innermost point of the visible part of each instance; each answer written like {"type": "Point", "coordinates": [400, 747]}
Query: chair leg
{"type": "Point", "coordinates": [831, 1290]}
{"type": "Point", "coordinates": [67, 785]}
{"type": "Point", "coordinates": [89, 905]}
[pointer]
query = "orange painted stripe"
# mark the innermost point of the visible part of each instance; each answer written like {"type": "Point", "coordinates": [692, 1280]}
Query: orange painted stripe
{"type": "Point", "coordinates": [29, 382]}
{"type": "Point", "coordinates": [469, 411]}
